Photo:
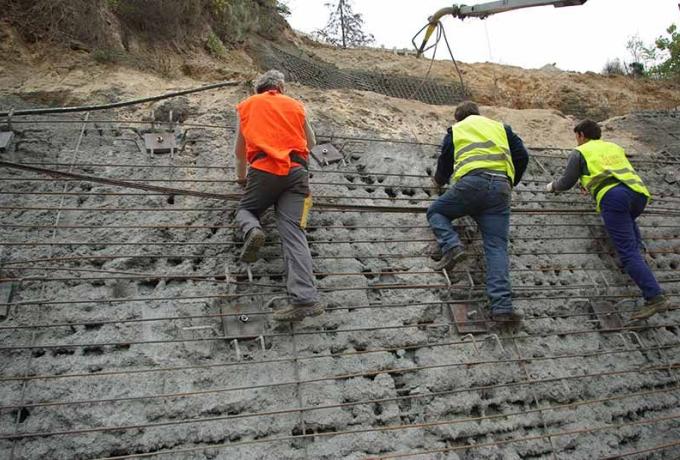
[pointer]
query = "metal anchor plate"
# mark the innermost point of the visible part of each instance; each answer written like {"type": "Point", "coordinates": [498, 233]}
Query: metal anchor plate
{"type": "Point", "coordinates": [240, 323]}
{"type": "Point", "coordinates": [160, 142]}
{"type": "Point", "coordinates": [607, 314]}
{"type": "Point", "coordinates": [468, 318]}
{"type": "Point", "coordinates": [325, 154]}
{"type": "Point", "coordinates": [6, 291]}
{"type": "Point", "coordinates": [5, 140]}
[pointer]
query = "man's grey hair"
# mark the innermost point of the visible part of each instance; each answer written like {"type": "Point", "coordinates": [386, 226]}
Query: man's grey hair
{"type": "Point", "coordinates": [272, 79]}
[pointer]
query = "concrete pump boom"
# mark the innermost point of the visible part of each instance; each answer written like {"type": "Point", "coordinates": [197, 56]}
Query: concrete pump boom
{"type": "Point", "coordinates": [484, 10]}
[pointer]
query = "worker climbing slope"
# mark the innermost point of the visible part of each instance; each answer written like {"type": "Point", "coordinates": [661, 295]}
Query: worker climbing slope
{"type": "Point", "coordinates": [274, 138]}
{"type": "Point", "coordinates": [486, 158]}
{"type": "Point", "coordinates": [621, 196]}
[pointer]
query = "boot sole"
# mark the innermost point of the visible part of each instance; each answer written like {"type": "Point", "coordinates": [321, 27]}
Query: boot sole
{"type": "Point", "coordinates": [507, 319]}
{"type": "Point", "coordinates": [461, 257]}
{"type": "Point", "coordinates": [654, 311]}
{"type": "Point", "coordinates": [299, 315]}
{"type": "Point", "coordinates": [251, 247]}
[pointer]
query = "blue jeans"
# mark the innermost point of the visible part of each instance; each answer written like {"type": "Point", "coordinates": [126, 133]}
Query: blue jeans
{"type": "Point", "coordinates": [620, 207]}
{"type": "Point", "coordinates": [486, 199]}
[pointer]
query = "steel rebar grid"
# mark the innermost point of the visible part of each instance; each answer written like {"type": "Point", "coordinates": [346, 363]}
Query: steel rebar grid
{"type": "Point", "coordinates": [353, 404]}
{"type": "Point", "coordinates": [268, 313]}
{"type": "Point", "coordinates": [24, 384]}
{"type": "Point", "coordinates": [297, 382]}
{"type": "Point", "coordinates": [512, 441]}
{"type": "Point", "coordinates": [423, 425]}
{"type": "Point", "coordinates": [629, 328]}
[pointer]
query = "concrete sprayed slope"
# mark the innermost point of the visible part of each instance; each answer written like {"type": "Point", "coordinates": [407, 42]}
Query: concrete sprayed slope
{"type": "Point", "coordinates": [113, 345]}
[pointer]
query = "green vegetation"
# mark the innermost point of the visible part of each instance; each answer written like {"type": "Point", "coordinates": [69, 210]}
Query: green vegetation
{"type": "Point", "coordinates": [669, 67]}
{"type": "Point", "coordinates": [175, 23]}
{"type": "Point", "coordinates": [215, 46]}
{"type": "Point", "coordinates": [660, 60]}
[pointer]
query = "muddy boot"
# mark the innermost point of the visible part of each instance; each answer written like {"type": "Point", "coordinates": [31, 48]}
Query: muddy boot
{"type": "Point", "coordinates": [513, 317]}
{"type": "Point", "coordinates": [653, 306]}
{"type": "Point", "coordinates": [450, 258]}
{"type": "Point", "coordinates": [252, 244]}
{"type": "Point", "coordinates": [298, 312]}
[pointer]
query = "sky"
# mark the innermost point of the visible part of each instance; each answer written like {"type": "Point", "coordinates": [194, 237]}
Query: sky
{"type": "Point", "coordinates": [581, 38]}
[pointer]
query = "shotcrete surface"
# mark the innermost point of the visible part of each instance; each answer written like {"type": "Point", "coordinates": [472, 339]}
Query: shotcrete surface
{"type": "Point", "coordinates": [144, 368]}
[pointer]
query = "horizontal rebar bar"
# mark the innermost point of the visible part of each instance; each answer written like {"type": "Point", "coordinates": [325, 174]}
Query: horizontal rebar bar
{"type": "Point", "coordinates": [642, 451]}
{"type": "Point", "coordinates": [311, 228]}
{"type": "Point", "coordinates": [313, 242]}
{"type": "Point", "coordinates": [272, 293]}
{"type": "Point", "coordinates": [221, 277]}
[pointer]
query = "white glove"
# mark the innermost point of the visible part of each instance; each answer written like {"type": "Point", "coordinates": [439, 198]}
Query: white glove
{"type": "Point", "coordinates": [549, 187]}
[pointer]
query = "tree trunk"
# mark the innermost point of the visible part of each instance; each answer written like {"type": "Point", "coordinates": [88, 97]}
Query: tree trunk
{"type": "Point", "coordinates": [341, 6]}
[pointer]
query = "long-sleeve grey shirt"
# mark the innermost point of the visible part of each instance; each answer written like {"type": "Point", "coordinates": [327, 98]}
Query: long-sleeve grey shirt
{"type": "Point", "coordinates": [576, 167]}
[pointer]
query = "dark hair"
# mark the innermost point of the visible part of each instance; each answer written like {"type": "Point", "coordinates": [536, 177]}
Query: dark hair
{"type": "Point", "coordinates": [466, 109]}
{"type": "Point", "coordinates": [589, 129]}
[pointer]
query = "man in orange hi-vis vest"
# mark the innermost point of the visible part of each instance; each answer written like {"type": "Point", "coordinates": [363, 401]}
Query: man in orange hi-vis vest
{"type": "Point", "coordinates": [274, 138]}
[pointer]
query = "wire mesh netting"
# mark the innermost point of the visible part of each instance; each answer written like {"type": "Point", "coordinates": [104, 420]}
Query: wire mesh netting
{"type": "Point", "coordinates": [302, 68]}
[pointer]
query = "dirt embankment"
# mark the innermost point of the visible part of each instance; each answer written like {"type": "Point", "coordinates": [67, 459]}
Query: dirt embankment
{"type": "Point", "coordinates": [541, 105]}
{"type": "Point", "coordinates": [572, 93]}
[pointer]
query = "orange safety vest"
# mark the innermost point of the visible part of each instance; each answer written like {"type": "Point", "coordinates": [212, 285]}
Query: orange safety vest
{"type": "Point", "coordinates": [273, 126]}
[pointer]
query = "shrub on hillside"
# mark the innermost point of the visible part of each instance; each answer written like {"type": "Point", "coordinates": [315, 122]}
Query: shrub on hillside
{"type": "Point", "coordinates": [99, 23]}
{"type": "Point", "coordinates": [57, 20]}
{"type": "Point", "coordinates": [670, 48]}
{"type": "Point", "coordinates": [215, 46]}
{"type": "Point", "coordinates": [614, 67]}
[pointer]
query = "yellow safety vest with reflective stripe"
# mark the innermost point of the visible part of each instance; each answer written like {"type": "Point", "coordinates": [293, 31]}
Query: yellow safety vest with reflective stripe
{"type": "Point", "coordinates": [481, 143]}
{"type": "Point", "coordinates": [607, 168]}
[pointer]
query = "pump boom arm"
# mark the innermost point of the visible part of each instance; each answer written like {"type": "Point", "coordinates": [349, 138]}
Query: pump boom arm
{"type": "Point", "coordinates": [484, 10]}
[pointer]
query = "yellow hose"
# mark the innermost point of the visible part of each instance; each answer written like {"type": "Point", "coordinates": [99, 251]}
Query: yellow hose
{"type": "Point", "coordinates": [433, 20]}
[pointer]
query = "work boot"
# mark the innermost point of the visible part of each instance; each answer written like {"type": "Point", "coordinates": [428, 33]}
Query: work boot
{"type": "Point", "coordinates": [509, 318]}
{"type": "Point", "coordinates": [450, 258]}
{"type": "Point", "coordinates": [252, 244]}
{"type": "Point", "coordinates": [653, 306]}
{"type": "Point", "coordinates": [298, 312]}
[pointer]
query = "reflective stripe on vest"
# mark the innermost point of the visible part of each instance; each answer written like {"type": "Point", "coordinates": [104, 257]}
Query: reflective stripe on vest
{"type": "Point", "coordinates": [481, 143]}
{"type": "Point", "coordinates": [273, 124]}
{"type": "Point", "coordinates": [607, 168]}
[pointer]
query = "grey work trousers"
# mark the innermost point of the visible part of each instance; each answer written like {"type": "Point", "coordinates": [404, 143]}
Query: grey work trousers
{"type": "Point", "coordinates": [291, 198]}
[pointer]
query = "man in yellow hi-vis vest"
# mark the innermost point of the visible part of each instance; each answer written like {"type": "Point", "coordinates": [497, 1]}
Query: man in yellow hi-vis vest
{"type": "Point", "coordinates": [486, 158]}
{"type": "Point", "coordinates": [621, 196]}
